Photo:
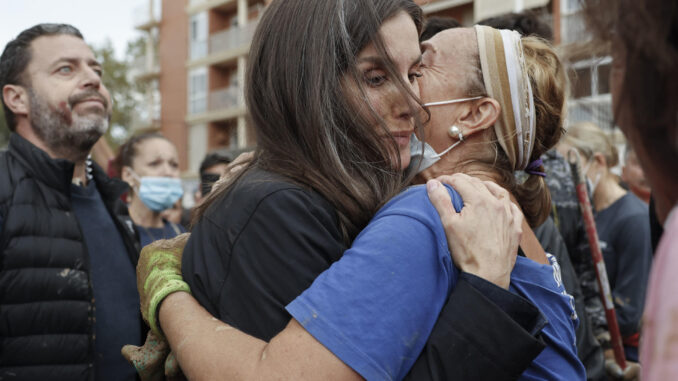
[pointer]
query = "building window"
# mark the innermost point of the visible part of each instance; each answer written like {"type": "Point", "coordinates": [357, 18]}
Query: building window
{"type": "Point", "coordinates": [197, 39]}
{"type": "Point", "coordinates": [197, 90]}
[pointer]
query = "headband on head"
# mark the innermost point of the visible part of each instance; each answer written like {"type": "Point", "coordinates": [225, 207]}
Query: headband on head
{"type": "Point", "coordinates": [506, 80]}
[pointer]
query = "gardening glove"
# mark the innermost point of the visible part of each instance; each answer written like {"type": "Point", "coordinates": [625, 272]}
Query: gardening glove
{"type": "Point", "coordinates": [153, 361]}
{"type": "Point", "coordinates": [158, 275]}
{"type": "Point", "coordinates": [172, 369]}
{"type": "Point", "coordinates": [148, 359]}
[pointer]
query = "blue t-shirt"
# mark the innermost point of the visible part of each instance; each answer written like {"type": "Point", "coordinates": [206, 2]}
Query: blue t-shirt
{"type": "Point", "coordinates": [375, 307]}
{"type": "Point", "coordinates": [116, 299]}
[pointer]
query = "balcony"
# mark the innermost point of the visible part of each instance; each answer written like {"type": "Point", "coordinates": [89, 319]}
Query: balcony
{"type": "Point", "coordinates": [146, 17]}
{"type": "Point", "coordinates": [224, 48]}
{"type": "Point", "coordinates": [143, 70]}
{"type": "Point", "coordinates": [223, 104]}
{"type": "Point", "coordinates": [197, 6]}
{"type": "Point", "coordinates": [225, 98]}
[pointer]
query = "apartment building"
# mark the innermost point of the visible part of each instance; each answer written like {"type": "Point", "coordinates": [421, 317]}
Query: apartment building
{"type": "Point", "coordinates": [163, 24]}
{"type": "Point", "coordinates": [197, 52]}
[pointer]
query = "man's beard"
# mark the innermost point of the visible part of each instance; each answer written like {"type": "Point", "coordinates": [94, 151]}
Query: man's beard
{"type": "Point", "coordinates": [67, 134]}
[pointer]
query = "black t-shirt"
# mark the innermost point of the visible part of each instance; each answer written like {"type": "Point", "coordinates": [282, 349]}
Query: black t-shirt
{"type": "Point", "coordinates": [257, 249]}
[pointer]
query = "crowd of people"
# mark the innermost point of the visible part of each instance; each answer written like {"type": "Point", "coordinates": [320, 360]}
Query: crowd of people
{"type": "Point", "coordinates": [409, 211]}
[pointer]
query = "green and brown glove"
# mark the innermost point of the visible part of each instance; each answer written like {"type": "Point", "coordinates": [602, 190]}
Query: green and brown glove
{"type": "Point", "coordinates": [153, 361]}
{"type": "Point", "coordinates": [158, 275]}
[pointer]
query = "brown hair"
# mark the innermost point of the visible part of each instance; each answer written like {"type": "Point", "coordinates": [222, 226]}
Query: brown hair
{"type": "Point", "coordinates": [305, 121]}
{"type": "Point", "coordinates": [128, 151]}
{"type": "Point", "coordinates": [549, 87]}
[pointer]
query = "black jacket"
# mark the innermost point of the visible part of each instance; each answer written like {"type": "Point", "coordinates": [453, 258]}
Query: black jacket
{"type": "Point", "coordinates": [46, 298]}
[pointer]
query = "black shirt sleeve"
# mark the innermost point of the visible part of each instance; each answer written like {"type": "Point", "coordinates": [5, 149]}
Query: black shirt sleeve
{"type": "Point", "coordinates": [476, 338]}
{"type": "Point", "coordinates": [245, 264]}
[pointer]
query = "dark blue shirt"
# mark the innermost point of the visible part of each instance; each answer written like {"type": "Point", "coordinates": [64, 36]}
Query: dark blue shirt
{"type": "Point", "coordinates": [148, 235]}
{"type": "Point", "coordinates": [625, 240]}
{"type": "Point", "coordinates": [118, 321]}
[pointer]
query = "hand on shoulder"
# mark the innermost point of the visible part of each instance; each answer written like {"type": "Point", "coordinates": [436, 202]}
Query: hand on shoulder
{"type": "Point", "coordinates": [484, 237]}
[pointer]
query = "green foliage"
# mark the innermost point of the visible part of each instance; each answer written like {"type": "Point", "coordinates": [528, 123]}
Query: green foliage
{"type": "Point", "coordinates": [120, 86]}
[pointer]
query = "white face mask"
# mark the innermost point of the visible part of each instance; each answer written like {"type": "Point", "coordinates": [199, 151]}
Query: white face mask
{"type": "Point", "coordinates": [423, 158]}
{"type": "Point", "coordinates": [426, 157]}
{"type": "Point", "coordinates": [591, 183]}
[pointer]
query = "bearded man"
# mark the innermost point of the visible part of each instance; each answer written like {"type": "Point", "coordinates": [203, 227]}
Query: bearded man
{"type": "Point", "coordinates": [68, 251]}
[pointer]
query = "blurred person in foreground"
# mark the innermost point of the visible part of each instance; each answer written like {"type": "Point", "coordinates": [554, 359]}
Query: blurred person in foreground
{"type": "Point", "coordinates": [149, 163]}
{"type": "Point", "coordinates": [644, 86]}
{"type": "Point", "coordinates": [68, 249]}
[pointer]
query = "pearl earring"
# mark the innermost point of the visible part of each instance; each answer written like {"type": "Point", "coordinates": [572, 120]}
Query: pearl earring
{"type": "Point", "coordinates": [455, 132]}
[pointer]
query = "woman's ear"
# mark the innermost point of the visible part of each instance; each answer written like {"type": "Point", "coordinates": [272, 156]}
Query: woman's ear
{"type": "Point", "coordinates": [126, 174]}
{"type": "Point", "coordinates": [600, 160]}
{"type": "Point", "coordinates": [479, 116]}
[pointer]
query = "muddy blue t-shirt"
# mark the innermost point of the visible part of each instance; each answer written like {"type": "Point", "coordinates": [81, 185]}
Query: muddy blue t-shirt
{"type": "Point", "coordinates": [375, 307]}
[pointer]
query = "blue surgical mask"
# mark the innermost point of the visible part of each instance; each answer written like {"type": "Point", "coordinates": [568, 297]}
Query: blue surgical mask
{"type": "Point", "coordinates": [159, 193]}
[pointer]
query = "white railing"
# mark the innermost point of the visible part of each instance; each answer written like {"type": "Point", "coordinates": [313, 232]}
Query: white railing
{"type": "Point", "coordinates": [198, 49]}
{"type": "Point", "coordinates": [225, 98]}
{"type": "Point", "coordinates": [232, 38]}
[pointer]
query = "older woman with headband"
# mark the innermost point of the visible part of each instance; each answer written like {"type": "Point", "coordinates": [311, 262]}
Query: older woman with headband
{"type": "Point", "coordinates": [496, 102]}
{"type": "Point", "coordinates": [369, 315]}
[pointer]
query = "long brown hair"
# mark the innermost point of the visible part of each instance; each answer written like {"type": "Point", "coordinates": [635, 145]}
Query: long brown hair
{"type": "Point", "coordinates": [306, 124]}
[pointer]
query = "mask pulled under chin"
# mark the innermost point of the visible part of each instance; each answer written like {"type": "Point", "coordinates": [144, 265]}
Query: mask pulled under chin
{"type": "Point", "coordinates": [159, 193]}
{"type": "Point", "coordinates": [423, 158]}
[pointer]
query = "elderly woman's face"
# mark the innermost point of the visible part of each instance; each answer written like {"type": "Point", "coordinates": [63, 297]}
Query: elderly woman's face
{"type": "Point", "coordinates": [447, 62]}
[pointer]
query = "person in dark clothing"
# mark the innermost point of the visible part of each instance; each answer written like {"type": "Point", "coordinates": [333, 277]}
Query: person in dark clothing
{"type": "Point", "coordinates": [212, 167]}
{"type": "Point", "coordinates": [623, 229]}
{"type": "Point", "coordinates": [149, 163]}
{"type": "Point", "coordinates": [310, 189]}
{"type": "Point", "coordinates": [67, 249]}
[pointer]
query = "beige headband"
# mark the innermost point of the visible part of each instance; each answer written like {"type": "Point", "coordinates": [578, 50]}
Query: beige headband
{"type": "Point", "coordinates": [506, 80]}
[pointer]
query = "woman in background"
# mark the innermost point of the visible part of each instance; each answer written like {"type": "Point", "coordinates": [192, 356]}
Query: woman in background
{"type": "Point", "coordinates": [623, 228]}
{"type": "Point", "coordinates": [149, 163]}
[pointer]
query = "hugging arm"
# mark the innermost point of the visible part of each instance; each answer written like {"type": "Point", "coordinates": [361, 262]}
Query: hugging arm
{"type": "Point", "coordinates": [495, 332]}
